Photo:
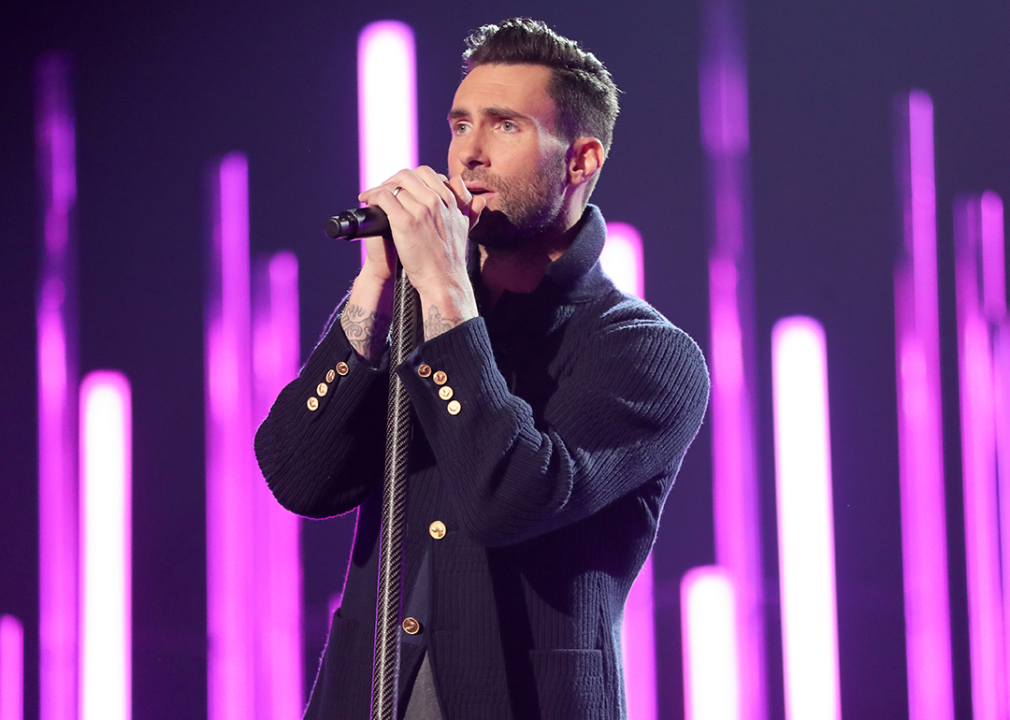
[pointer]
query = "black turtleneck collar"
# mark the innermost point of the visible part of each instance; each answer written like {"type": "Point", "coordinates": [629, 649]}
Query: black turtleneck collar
{"type": "Point", "coordinates": [573, 277]}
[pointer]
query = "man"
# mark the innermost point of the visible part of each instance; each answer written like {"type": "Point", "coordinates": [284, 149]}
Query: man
{"type": "Point", "coordinates": [552, 411]}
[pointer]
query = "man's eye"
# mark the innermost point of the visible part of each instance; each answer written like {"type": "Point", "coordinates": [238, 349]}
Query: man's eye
{"type": "Point", "coordinates": [460, 128]}
{"type": "Point", "coordinates": [508, 126]}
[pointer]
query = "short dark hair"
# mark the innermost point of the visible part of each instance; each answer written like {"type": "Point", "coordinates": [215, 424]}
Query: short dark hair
{"type": "Point", "coordinates": [584, 93]}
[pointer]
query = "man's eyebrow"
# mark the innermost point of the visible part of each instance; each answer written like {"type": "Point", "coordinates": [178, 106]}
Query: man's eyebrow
{"type": "Point", "coordinates": [493, 112]}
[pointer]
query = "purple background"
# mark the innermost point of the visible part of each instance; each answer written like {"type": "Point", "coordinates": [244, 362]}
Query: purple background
{"type": "Point", "coordinates": [160, 91]}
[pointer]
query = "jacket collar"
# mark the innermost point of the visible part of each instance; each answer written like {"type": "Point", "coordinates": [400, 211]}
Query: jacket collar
{"type": "Point", "coordinates": [575, 276]}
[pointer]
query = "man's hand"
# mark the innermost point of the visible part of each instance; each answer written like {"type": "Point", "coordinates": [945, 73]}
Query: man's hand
{"type": "Point", "coordinates": [430, 218]}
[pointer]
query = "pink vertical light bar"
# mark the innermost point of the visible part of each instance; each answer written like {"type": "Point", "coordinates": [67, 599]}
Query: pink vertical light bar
{"type": "Point", "coordinates": [805, 520]}
{"type": "Point", "coordinates": [387, 102]}
{"type": "Point", "coordinates": [622, 260]}
{"type": "Point", "coordinates": [981, 305]}
{"type": "Point", "coordinates": [56, 319]}
{"type": "Point", "coordinates": [920, 434]}
{"type": "Point", "coordinates": [708, 619]}
{"type": "Point", "coordinates": [990, 210]}
{"type": "Point", "coordinates": [106, 518]}
{"type": "Point", "coordinates": [736, 507]}
{"type": "Point", "coordinates": [277, 604]}
{"type": "Point", "coordinates": [994, 292]}
{"type": "Point", "coordinates": [227, 372]}
{"type": "Point", "coordinates": [12, 668]}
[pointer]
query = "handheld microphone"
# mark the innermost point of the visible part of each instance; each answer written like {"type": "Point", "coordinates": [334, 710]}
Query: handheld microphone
{"type": "Point", "coordinates": [358, 223]}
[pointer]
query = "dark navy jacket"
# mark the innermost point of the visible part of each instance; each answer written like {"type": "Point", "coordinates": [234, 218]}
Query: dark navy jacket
{"type": "Point", "coordinates": [576, 404]}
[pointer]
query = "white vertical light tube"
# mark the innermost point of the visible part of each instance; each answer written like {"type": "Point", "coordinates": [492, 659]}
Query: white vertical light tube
{"type": "Point", "coordinates": [387, 102]}
{"type": "Point", "coordinates": [12, 669]}
{"type": "Point", "coordinates": [805, 520]}
{"type": "Point", "coordinates": [623, 258]}
{"type": "Point", "coordinates": [106, 608]}
{"type": "Point", "coordinates": [708, 619]}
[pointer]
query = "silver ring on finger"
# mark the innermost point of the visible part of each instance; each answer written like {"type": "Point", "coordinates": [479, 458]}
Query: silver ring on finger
{"type": "Point", "coordinates": [396, 190]}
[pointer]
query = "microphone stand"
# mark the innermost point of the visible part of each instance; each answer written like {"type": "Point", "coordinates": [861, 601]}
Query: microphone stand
{"type": "Point", "coordinates": [386, 666]}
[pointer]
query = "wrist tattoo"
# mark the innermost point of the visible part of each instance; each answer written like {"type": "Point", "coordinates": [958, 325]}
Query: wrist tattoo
{"type": "Point", "coordinates": [436, 324]}
{"type": "Point", "coordinates": [365, 331]}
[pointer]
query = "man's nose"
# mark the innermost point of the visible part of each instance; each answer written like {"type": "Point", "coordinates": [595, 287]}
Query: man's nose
{"type": "Point", "coordinates": [470, 150]}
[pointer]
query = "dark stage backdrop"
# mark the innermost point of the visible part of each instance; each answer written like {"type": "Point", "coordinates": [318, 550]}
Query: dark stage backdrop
{"type": "Point", "coordinates": [162, 89]}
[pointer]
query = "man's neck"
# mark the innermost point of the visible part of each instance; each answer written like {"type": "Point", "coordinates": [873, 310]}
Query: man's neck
{"type": "Point", "coordinates": [521, 271]}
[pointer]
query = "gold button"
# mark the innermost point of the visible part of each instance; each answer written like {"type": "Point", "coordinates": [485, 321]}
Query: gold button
{"type": "Point", "coordinates": [321, 389]}
{"type": "Point", "coordinates": [342, 368]}
{"type": "Point", "coordinates": [424, 370]}
{"type": "Point", "coordinates": [454, 407]}
{"type": "Point", "coordinates": [411, 626]}
{"type": "Point", "coordinates": [331, 376]}
{"type": "Point", "coordinates": [313, 403]}
{"type": "Point", "coordinates": [437, 530]}
{"type": "Point", "coordinates": [440, 378]}
{"type": "Point", "coordinates": [445, 392]}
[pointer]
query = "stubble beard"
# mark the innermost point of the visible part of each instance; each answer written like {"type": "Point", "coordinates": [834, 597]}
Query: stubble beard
{"type": "Point", "coordinates": [529, 207]}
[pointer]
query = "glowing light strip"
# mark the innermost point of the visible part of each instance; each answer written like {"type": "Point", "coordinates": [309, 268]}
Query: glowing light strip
{"type": "Point", "coordinates": [805, 520]}
{"type": "Point", "coordinates": [978, 439]}
{"type": "Point", "coordinates": [56, 319]}
{"type": "Point", "coordinates": [990, 208]}
{"type": "Point", "coordinates": [708, 619]}
{"type": "Point", "coordinates": [991, 211]}
{"type": "Point", "coordinates": [12, 668]}
{"type": "Point", "coordinates": [106, 520]}
{"type": "Point", "coordinates": [622, 260]}
{"type": "Point", "coordinates": [920, 434]}
{"type": "Point", "coordinates": [227, 372]}
{"type": "Point", "coordinates": [735, 480]}
{"type": "Point", "coordinates": [387, 102]}
{"type": "Point", "coordinates": [277, 606]}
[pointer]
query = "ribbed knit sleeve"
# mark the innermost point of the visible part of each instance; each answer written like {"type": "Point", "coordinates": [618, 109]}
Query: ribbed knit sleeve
{"type": "Point", "coordinates": [321, 446]}
{"type": "Point", "coordinates": [627, 404]}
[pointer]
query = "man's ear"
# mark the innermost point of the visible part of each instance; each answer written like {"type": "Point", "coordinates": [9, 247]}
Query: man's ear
{"type": "Point", "coordinates": [585, 158]}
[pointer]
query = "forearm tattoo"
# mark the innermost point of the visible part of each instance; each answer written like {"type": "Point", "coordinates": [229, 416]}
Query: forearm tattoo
{"type": "Point", "coordinates": [366, 331]}
{"type": "Point", "coordinates": [435, 324]}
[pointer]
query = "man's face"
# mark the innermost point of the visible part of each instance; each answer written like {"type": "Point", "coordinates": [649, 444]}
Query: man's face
{"type": "Point", "coordinates": [504, 146]}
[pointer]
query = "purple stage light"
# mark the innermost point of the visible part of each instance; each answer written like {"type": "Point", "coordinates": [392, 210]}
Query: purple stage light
{"type": "Point", "coordinates": [981, 308]}
{"type": "Point", "coordinates": [920, 434]}
{"type": "Point", "coordinates": [736, 507]}
{"type": "Point", "coordinates": [992, 230]}
{"type": "Point", "coordinates": [12, 668]}
{"type": "Point", "coordinates": [805, 520]}
{"type": "Point", "coordinates": [990, 212]}
{"type": "Point", "coordinates": [56, 318]}
{"type": "Point", "coordinates": [708, 617]}
{"type": "Point", "coordinates": [387, 102]}
{"type": "Point", "coordinates": [254, 571]}
{"type": "Point", "coordinates": [106, 520]}
{"type": "Point", "coordinates": [622, 260]}
{"type": "Point", "coordinates": [277, 605]}
{"type": "Point", "coordinates": [227, 372]}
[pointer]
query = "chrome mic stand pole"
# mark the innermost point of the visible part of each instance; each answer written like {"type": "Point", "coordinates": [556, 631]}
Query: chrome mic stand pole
{"type": "Point", "coordinates": [403, 340]}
